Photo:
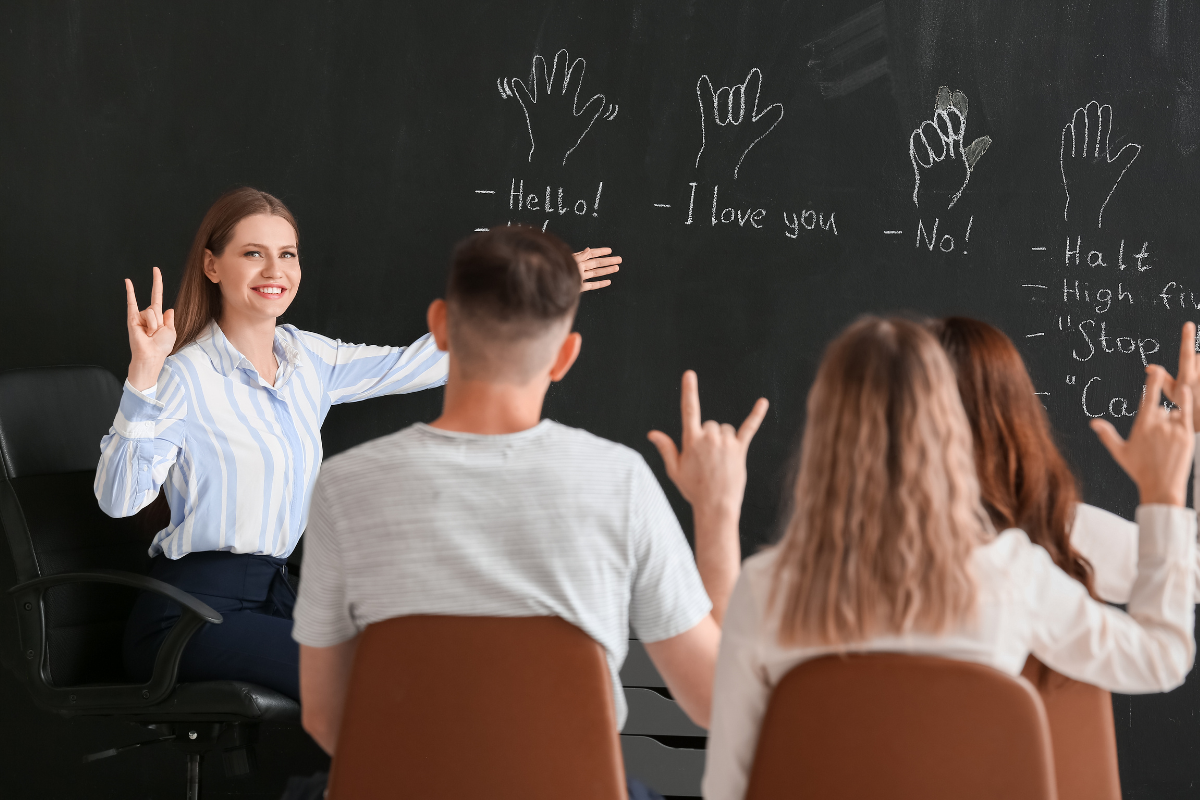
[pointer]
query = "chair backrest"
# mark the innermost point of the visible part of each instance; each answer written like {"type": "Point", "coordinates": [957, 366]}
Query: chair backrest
{"type": "Point", "coordinates": [1082, 730]}
{"type": "Point", "coordinates": [442, 706]}
{"type": "Point", "coordinates": [51, 423]}
{"type": "Point", "coordinates": [904, 727]}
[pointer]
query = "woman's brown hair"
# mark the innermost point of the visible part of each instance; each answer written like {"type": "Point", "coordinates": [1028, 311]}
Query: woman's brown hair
{"type": "Point", "coordinates": [1024, 480]}
{"type": "Point", "coordinates": [199, 300]}
{"type": "Point", "coordinates": [887, 509]}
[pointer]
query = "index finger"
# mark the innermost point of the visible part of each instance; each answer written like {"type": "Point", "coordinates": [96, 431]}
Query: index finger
{"type": "Point", "coordinates": [156, 291]}
{"type": "Point", "coordinates": [594, 252]}
{"type": "Point", "coordinates": [1155, 378]}
{"type": "Point", "coordinates": [1187, 351]}
{"type": "Point", "coordinates": [750, 426]}
{"type": "Point", "coordinates": [689, 404]}
{"type": "Point", "coordinates": [131, 306]}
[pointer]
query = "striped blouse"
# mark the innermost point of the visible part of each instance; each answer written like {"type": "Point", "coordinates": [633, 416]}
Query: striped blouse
{"type": "Point", "coordinates": [237, 456]}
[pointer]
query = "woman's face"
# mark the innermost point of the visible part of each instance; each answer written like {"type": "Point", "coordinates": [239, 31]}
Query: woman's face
{"type": "Point", "coordinates": [259, 271]}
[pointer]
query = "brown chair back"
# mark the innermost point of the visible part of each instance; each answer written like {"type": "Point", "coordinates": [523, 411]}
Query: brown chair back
{"type": "Point", "coordinates": [449, 707]}
{"type": "Point", "coordinates": [1082, 730]}
{"type": "Point", "coordinates": [903, 727]}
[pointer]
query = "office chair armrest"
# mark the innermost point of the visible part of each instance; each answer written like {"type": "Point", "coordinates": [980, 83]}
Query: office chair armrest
{"type": "Point", "coordinates": [70, 701]}
{"type": "Point", "coordinates": [132, 579]}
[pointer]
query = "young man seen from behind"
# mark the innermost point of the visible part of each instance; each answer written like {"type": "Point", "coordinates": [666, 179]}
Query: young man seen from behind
{"type": "Point", "coordinates": [493, 511]}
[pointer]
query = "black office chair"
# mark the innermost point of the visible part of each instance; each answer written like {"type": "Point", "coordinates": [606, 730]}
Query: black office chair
{"type": "Point", "coordinates": [75, 574]}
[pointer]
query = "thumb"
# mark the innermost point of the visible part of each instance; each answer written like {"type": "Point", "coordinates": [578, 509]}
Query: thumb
{"type": "Point", "coordinates": [1109, 437]}
{"type": "Point", "coordinates": [976, 150]}
{"type": "Point", "coordinates": [666, 449]}
{"type": "Point", "coordinates": [1126, 156]}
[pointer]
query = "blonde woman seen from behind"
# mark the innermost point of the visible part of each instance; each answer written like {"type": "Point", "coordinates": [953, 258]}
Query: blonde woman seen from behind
{"type": "Point", "coordinates": [889, 549]}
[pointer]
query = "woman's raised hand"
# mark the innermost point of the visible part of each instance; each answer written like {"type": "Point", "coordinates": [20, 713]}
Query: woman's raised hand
{"type": "Point", "coordinates": [1158, 453]}
{"type": "Point", "coordinates": [151, 334]}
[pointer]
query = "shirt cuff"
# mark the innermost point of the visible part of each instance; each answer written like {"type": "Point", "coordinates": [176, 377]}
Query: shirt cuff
{"type": "Point", "coordinates": [137, 414]}
{"type": "Point", "coordinates": [1165, 533]}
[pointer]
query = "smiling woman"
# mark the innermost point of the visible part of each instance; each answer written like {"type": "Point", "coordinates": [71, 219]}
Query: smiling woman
{"type": "Point", "coordinates": [222, 413]}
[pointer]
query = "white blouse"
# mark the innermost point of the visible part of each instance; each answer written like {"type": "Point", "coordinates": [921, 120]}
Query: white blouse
{"type": "Point", "coordinates": [1110, 544]}
{"type": "Point", "coordinates": [1026, 605]}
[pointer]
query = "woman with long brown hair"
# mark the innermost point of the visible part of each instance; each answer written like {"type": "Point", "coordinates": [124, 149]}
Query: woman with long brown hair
{"type": "Point", "coordinates": [1023, 478]}
{"type": "Point", "coordinates": [889, 548]}
{"type": "Point", "coordinates": [222, 412]}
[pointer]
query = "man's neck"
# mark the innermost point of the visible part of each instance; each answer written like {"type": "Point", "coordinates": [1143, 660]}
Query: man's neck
{"type": "Point", "coordinates": [489, 408]}
{"type": "Point", "coordinates": [255, 339]}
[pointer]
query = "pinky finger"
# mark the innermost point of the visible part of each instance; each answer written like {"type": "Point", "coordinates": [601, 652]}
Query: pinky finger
{"type": "Point", "coordinates": [589, 286]}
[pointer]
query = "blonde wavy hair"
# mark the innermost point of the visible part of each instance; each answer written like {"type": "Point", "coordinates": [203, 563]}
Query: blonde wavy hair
{"type": "Point", "coordinates": [887, 508]}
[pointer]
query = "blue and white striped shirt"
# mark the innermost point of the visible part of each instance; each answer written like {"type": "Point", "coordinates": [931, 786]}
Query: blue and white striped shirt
{"type": "Point", "coordinates": [239, 457]}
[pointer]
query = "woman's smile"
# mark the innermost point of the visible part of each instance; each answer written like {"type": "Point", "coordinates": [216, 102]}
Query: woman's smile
{"type": "Point", "coordinates": [271, 291]}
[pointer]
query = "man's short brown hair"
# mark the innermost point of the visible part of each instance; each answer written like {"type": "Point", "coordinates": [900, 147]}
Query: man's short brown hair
{"type": "Point", "coordinates": [509, 288]}
{"type": "Point", "coordinates": [516, 276]}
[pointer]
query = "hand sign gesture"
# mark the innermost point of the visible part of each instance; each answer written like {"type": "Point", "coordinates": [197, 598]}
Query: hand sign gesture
{"type": "Point", "coordinates": [1189, 371]}
{"type": "Point", "coordinates": [553, 115]}
{"type": "Point", "coordinates": [710, 472]}
{"type": "Point", "coordinates": [151, 334]}
{"type": "Point", "coordinates": [724, 126]}
{"type": "Point", "coordinates": [594, 263]}
{"type": "Point", "coordinates": [1090, 173]}
{"type": "Point", "coordinates": [1158, 453]}
{"type": "Point", "coordinates": [937, 147]}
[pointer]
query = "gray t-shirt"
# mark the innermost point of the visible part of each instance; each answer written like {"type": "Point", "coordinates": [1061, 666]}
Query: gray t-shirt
{"type": "Point", "coordinates": [551, 521]}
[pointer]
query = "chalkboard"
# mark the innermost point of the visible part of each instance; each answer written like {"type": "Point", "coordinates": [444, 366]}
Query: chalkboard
{"type": "Point", "coordinates": [768, 170]}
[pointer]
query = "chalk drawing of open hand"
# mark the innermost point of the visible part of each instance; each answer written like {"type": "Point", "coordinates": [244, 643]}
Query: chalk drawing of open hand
{"type": "Point", "coordinates": [941, 158]}
{"type": "Point", "coordinates": [731, 122]}
{"type": "Point", "coordinates": [556, 120]}
{"type": "Point", "coordinates": [1090, 172]}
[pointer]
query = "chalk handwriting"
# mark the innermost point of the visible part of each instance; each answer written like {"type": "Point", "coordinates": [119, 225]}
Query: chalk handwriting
{"type": "Point", "coordinates": [554, 116]}
{"type": "Point", "coordinates": [1095, 258]}
{"type": "Point", "coordinates": [552, 201]}
{"type": "Point", "coordinates": [928, 237]}
{"type": "Point", "coordinates": [1090, 171]}
{"type": "Point", "coordinates": [725, 126]}
{"type": "Point", "coordinates": [938, 145]}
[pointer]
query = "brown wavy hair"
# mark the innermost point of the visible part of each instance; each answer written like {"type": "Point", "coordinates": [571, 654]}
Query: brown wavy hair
{"type": "Point", "coordinates": [887, 509]}
{"type": "Point", "coordinates": [199, 300]}
{"type": "Point", "coordinates": [1024, 480]}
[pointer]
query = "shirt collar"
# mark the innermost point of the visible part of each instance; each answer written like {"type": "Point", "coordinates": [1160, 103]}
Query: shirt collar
{"type": "Point", "coordinates": [226, 359]}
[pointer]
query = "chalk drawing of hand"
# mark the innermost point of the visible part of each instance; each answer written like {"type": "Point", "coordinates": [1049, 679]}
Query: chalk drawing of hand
{"type": "Point", "coordinates": [556, 121]}
{"type": "Point", "coordinates": [1090, 172]}
{"type": "Point", "coordinates": [938, 149]}
{"type": "Point", "coordinates": [727, 132]}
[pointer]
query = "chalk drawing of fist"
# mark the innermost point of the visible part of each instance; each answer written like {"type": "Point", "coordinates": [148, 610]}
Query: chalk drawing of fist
{"type": "Point", "coordinates": [938, 150]}
{"type": "Point", "coordinates": [727, 132]}
{"type": "Point", "coordinates": [1090, 173]}
{"type": "Point", "coordinates": [556, 121]}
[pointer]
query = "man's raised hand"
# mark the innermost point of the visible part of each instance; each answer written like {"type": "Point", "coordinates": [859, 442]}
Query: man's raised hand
{"type": "Point", "coordinates": [1158, 453]}
{"type": "Point", "coordinates": [151, 334]}
{"type": "Point", "coordinates": [710, 470]}
{"type": "Point", "coordinates": [595, 262]}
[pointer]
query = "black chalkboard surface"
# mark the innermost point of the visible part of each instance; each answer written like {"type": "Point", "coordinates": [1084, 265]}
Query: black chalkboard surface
{"type": "Point", "coordinates": [768, 170]}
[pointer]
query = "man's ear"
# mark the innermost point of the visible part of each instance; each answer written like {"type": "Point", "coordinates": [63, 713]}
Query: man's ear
{"type": "Point", "coordinates": [436, 317]}
{"type": "Point", "coordinates": [566, 356]}
{"type": "Point", "coordinates": [210, 266]}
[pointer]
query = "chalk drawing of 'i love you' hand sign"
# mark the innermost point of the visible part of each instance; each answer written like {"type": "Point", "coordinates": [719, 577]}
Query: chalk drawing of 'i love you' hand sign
{"type": "Point", "coordinates": [554, 117]}
{"type": "Point", "coordinates": [727, 131]}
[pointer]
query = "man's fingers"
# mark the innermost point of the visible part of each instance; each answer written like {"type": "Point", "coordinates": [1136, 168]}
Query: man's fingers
{"type": "Point", "coordinates": [753, 421]}
{"type": "Point", "coordinates": [596, 272]}
{"type": "Point", "coordinates": [1109, 437]}
{"type": "Point", "coordinates": [590, 285]}
{"type": "Point", "coordinates": [594, 252]}
{"type": "Point", "coordinates": [666, 448]}
{"type": "Point", "coordinates": [156, 292]}
{"type": "Point", "coordinates": [596, 263]}
{"type": "Point", "coordinates": [689, 404]}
